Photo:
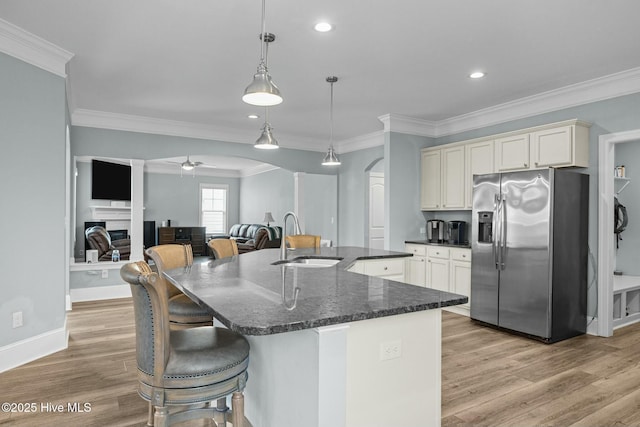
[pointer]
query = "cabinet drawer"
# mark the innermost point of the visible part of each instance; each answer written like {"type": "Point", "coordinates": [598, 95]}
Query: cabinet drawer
{"type": "Point", "coordinates": [438, 252]}
{"type": "Point", "coordinates": [416, 250]}
{"type": "Point", "coordinates": [459, 254]}
{"type": "Point", "coordinates": [384, 267]}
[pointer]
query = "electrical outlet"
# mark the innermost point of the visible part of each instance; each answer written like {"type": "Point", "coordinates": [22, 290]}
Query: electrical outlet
{"type": "Point", "coordinates": [390, 350]}
{"type": "Point", "coordinates": [423, 230]}
{"type": "Point", "coordinates": [17, 319]}
{"type": "Point", "coordinates": [105, 274]}
{"type": "Point", "coordinates": [81, 251]}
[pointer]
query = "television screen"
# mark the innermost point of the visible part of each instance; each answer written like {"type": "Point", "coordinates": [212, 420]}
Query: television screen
{"type": "Point", "coordinates": [110, 181]}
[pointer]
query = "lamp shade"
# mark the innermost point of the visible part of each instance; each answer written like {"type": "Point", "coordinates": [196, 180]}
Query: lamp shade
{"type": "Point", "coordinates": [262, 91]}
{"type": "Point", "coordinates": [268, 218]}
{"type": "Point", "coordinates": [331, 159]}
{"type": "Point", "coordinates": [266, 140]}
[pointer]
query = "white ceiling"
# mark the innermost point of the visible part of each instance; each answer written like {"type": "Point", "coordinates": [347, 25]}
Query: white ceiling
{"type": "Point", "coordinates": [189, 61]}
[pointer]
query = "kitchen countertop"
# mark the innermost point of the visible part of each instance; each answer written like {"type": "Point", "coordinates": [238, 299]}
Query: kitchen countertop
{"type": "Point", "coordinates": [451, 245]}
{"type": "Point", "coordinates": [253, 297]}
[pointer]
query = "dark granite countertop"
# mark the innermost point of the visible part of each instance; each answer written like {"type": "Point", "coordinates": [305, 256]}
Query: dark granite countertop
{"type": "Point", "coordinates": [253, 297]}
{"type": "Point", "coordinates": [450, 245]}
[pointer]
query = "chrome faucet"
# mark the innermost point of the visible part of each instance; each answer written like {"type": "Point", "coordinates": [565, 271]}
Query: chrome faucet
{"type": "Point", "coordinates": [283, 243]}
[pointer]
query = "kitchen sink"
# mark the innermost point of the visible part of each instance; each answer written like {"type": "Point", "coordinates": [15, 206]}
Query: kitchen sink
{"type": "Point", "coordinates": [308, 262]}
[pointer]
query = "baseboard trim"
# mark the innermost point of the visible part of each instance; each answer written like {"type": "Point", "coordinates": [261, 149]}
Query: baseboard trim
{"type": "Point", "coordinates": [100, 293]}
{"type": "Point", "coordinates": [30, 349]}
{"type": "Point", "coordinates": [592, 328]}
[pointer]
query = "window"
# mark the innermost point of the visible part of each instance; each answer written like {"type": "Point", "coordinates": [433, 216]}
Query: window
{"type": "Point", "coordinates": [213, 208]}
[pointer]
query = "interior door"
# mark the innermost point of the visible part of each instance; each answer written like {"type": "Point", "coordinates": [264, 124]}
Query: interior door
{"type": "Point", "coordinates": [376, 210]}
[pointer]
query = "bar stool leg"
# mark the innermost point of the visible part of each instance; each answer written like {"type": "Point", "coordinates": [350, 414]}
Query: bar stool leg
{"type": "Point", "coordinates": [237, 409]}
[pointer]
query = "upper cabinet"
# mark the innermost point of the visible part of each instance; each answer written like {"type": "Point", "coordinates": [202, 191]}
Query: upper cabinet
{"type": "Point", "coordinates": [512, 153]}
{"type": "Point", "coordinates": [559, 147]}
{"type": "Point", "coordinates": [448, 170]}
{"type": "Point", "coordinates": [430, 182]}
{"type": "Point", "coordinates": [479, 160]}
{"type": "Point", "coordinates": [442, 181]}
{"type": "Point", "coordinates": [453, 178]}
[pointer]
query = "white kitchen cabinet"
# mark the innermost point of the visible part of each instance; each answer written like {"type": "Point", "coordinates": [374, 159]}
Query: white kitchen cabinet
{"type": "Point", "coordinates": [460, 273]}
{"type": "Point", "coordinates": [479, 160]}
{"type": "Point", "coordinates": [415, 267]}
{"type": "Point", "coordinates": [453, 184]}
{"type": "Point", "coordinates": [512, 152]}
{"type": "Point", "coordinates": [438, 268]}
{"type": "Point", "coordinates": [388, 268]}
{"type": "Point", "coordinates": [561, 146]}
{"type": "Point", "coordinates": [447, 170]}
{"type": "Point", "coordinates": [430, 180]}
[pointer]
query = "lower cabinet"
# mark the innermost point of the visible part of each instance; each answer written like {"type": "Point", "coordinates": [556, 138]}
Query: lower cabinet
{"type": "Point", "coordinates": [446, 269]}
{"type": "Point", "coordinates": [388, 268]}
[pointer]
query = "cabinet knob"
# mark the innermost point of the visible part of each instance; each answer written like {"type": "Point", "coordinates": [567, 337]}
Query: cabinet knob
{"type": "Point", "coordinates": [464, 256]}
{"type": "Point", "coordinates": [525, 165]}
{"type": "Point", "coordinates": [386, 268]}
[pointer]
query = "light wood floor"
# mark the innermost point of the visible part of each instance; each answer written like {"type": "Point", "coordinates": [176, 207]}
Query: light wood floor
{"type": "Point", "coordinates": [490, 378]}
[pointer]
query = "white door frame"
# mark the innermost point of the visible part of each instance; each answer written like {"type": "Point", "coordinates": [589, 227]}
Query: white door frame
{"type": "Point", "coordinates": [606, 248]}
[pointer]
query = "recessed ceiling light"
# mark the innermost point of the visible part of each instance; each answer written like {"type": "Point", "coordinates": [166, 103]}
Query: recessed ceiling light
{"type": "Point", "coordinates": [323, 27]}
{"type": "Point", "coordinates": [253, 116]}
{"type": "Point", "coordinates": [477, 75]}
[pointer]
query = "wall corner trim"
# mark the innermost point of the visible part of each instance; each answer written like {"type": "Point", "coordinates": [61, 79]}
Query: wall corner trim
{"type": "Point", "coordinates": [34, 50]}
{"type": "Point", "coordinates": [30, 349]}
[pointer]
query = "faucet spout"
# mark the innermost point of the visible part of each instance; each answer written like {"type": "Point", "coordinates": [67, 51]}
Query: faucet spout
{"type": "Point", "coordinates": [283, 243]}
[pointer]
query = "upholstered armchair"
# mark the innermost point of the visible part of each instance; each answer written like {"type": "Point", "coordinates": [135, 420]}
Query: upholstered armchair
{"type": "Point", "coordinates": [99, 239]}
{"type": "Point", "coordinates": [223, 248]}
{"type": "Point", "coordinates": [181, 371]}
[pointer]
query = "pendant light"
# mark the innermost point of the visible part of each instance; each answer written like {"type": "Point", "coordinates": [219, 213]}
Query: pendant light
{"type": "Point", "coordinates": [262, 91]}
{"type": "Point", "coordinates": [266, 140]}
{"type": "Point", "coordinates": [331, 159]}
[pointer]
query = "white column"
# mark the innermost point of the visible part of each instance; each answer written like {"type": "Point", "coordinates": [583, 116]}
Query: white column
{"type": "Point", "coordinates": [137, 209]}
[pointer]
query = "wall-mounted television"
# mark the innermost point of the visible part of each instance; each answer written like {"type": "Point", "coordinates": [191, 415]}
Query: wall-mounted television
{"type": "Point", "coordinates": [110, 181]}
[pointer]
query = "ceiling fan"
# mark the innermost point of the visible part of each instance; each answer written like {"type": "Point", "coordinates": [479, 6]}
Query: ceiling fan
{"type": "Point", "coordinates": [188, 165]}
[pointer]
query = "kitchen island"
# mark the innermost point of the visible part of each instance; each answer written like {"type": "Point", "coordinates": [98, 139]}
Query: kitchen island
{"type": "Point", "coordinates": [328, 346]}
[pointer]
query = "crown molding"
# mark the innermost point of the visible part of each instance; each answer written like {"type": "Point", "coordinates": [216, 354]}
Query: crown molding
{"type": "Point", "coordinates": [257, 170]}
{"type": "Point", "coordinates": [168, 169]}
{"type": "Point", "coordinates": [409, 125]}
{"type": "Point", "coordinates": [130, 123]}
{"type": "Point", "coordinates": [34, 50]}
{"type": "Point", "coordinates": [374, 139]}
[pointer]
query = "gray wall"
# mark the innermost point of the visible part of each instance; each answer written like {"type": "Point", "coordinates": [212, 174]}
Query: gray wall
{"type": "Point", "coordinates": [352, 189]}
{"type": "Point", "coordinates": [320, 201]}
{"type": "Point", "coordinates": [402, 188]}
{"type": "Point", "coordinates": [32, 177]}
{"type": "Point", "coordinates": [169, 196]}
{"type": "Point", "coordinates": [270, 191]}
{"type": "Point", "coordinates": [628, 254]}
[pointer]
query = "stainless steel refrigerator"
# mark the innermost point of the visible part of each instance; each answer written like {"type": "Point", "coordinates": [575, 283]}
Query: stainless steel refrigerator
{"type": "Point", "coordinates": [529, 252]}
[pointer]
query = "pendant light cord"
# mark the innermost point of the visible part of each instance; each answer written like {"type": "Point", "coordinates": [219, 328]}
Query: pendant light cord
{"type": "Point", "coordinates": [262, 36]}
{"type": "Point", "coordinates": [331, 119]}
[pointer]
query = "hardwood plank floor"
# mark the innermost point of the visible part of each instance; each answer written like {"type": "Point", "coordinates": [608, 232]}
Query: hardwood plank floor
{"type": "Point", "coordinates": [489, 377]}
{"type": "Point", "coordinates": [492, 378]}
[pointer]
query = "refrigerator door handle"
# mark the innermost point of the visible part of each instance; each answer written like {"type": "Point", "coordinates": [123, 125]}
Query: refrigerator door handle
{"type": "Point", "coordinates": [495, 227]}
{"type": "Point", "coordinates": [503, 231]}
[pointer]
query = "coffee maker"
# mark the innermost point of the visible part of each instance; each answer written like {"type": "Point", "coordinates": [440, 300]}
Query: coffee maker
{"type": "Point", "coordinates": [457, 231]}
{"type": "Point", "coordinates": [435, 231]}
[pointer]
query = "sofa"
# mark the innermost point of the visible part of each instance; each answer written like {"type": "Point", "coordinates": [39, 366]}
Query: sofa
{"type": "Point", "coordinates": [252, 237]}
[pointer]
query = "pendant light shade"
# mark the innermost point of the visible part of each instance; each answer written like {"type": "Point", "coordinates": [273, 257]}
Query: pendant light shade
{"type": "Point", "coordinates": [331, 158]}
{"type": "Point", "coordinates": [262, 91]}
{"type": "Point", "coordinates": [266, 140]}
